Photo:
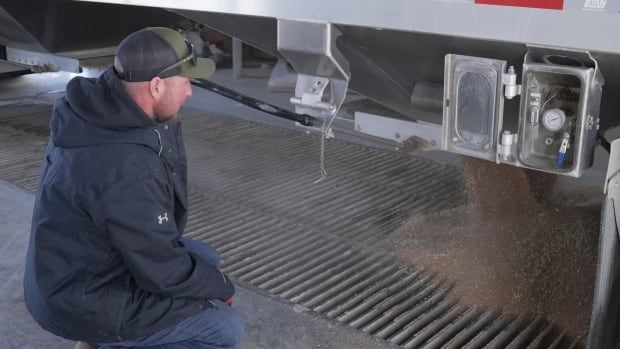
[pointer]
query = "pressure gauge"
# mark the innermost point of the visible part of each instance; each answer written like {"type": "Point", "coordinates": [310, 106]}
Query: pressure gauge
{"type": "Point", "coordinates": [554, 119]}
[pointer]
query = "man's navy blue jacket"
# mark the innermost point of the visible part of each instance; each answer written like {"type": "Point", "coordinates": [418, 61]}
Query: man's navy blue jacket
{"type": "Point", "coordinates": [104, 262]}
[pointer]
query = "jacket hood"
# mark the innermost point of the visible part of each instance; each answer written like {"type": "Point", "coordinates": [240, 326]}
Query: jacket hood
{"type": "Point", "coordinates": [96, 111]}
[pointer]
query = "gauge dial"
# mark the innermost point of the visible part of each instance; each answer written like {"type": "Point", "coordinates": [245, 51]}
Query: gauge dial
{"type": "Point", "coordinates": [554, 119]}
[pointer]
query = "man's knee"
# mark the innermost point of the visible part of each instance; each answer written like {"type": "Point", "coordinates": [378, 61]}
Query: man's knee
{"type": "Point", "coordinates": [231, 324]}
{"type": "Point", "coordinates": [237, 325]}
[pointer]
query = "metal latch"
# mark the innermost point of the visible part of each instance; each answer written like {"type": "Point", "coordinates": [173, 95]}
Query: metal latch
{"type": "Point", "coordinates": [312, 95]}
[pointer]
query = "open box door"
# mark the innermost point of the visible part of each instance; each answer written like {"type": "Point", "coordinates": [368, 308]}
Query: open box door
{"type": "Point", "coordinates": [473, 105]}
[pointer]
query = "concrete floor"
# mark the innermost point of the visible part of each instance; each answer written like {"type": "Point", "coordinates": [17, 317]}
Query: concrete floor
{"type": "Point", "coordinates": [17, 329]}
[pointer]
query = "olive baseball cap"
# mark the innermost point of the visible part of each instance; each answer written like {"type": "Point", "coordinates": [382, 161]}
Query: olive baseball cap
{"type": "Point", "coordinates": [159, 51]}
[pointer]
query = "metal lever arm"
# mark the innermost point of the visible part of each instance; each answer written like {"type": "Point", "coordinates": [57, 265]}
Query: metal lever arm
{"type": "Point", "coordinates": [303, 119]}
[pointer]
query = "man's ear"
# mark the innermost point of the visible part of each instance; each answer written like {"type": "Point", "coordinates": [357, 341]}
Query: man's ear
{"type": "Point", "coordinates": [156, 88]}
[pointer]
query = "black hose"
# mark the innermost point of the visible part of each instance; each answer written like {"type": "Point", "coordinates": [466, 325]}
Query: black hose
{"type": "Point", "coordinates": [303, 119]}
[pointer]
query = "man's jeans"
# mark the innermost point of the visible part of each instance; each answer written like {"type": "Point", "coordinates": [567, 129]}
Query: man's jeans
{"type": "Point", "coordinates": [218, 327]}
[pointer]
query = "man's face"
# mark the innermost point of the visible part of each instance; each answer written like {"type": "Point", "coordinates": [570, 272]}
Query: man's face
{"type": "Point", "coordinates": [177, 89]}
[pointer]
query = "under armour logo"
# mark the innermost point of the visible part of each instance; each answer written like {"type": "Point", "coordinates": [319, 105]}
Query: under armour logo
{"type": "Point", "coordinates": [163, 218]}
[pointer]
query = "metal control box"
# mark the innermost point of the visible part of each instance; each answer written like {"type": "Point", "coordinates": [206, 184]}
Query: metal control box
{"type": "Point", "coordinates": [559, 113]}
{"type": "Point", "coordinates": [558, 117]}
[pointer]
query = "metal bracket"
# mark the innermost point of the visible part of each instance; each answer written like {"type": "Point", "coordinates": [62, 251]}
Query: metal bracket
{"type": "Point", "coordinates": [42, 62]}
{"type": "Point", "coordinates": [282, 79]}
{"type": "Point", "coordinates": [312, 91]}
{"type": "Point", "coordinates": [323, 71]}
{"type": "Point", "coordinates": [7, 67]}
{"type": "Point", "coordinates": [415, 136]}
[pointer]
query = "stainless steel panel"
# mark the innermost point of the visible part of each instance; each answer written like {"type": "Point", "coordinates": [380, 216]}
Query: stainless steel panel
{"type": "Point", "coordinates": [444, 17]}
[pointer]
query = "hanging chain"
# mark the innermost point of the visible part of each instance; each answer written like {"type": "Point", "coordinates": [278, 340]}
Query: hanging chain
{"type": "Point", "coordinates": [326, 132]}
{"type": "Point", "coordinates": [322, 156]}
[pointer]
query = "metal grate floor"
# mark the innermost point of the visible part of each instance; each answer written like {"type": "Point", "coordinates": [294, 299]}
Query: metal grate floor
{"type": "Point", "coordinates": [319, 245]}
